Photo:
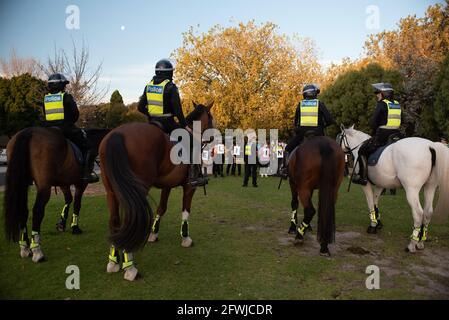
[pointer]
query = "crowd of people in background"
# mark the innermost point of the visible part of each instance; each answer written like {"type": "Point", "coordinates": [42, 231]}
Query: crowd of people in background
{"type": "Point", "coordinates": [221, 161]}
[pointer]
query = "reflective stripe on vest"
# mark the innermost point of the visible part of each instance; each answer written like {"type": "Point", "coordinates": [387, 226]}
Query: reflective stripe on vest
{"type": "Point", "coordinates": [155, 98]}
{"type": "Point", "coordinates": [54, 106]}
{"type": "Point", "coordinates": [394, 115]}
{"type": "Point", "coordinates": [309, 113]}
{"type": "Point", "coordinates": [248, 151]}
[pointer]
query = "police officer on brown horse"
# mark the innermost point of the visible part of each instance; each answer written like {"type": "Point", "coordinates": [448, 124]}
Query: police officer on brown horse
{"type": "Point", "coordinates": [311, 118]}
{"type": "Point", "coordinates": [385, 123]}
{"type": "Point", "coordinates": [60, 110]}
{"type": "Point", "coordinates": [160, 102]}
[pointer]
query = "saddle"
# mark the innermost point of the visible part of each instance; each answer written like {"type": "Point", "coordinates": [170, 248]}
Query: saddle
{"type": "Point", "coordinates": [79, 157]}
{"type": "Point", "coordinates": [374, 157]}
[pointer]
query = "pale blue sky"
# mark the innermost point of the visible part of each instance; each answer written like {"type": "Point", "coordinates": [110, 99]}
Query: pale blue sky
{"type": "Point", "coordinates": [153, 29]}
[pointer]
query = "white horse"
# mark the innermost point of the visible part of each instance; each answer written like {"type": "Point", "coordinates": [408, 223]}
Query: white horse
{"type": "Point", "coordinates": [411, 163]}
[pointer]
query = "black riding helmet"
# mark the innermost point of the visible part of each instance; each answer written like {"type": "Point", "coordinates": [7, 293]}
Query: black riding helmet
{"type": "Point", "coordinates": [386, 89]}
{"type": "Point", "coordinates": [164, 68]}
{"type": "Point", "coordinates": [57, 82]}
{"type": "Point", "coordinates": [310, 91]}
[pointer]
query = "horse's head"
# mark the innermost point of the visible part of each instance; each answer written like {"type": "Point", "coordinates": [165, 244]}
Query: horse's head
{"type": "Point", "coordinates": [350, 139]}
{"type": "Point", "coordinates": [201, 113]}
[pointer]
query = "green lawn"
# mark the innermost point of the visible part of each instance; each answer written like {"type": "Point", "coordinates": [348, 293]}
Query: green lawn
{"type": "Point", "coordinates": [242, 251]}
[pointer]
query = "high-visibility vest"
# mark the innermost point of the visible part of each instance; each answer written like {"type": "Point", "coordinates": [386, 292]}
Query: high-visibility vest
{"type": "Point", "coordinates": [394, 115]}
{"type": "Point", "coordinates": [54, 106]}
{"type": "Point", "coordinates": [248, 151]}
{"type": "Point", "coordinates": [155, 98]}
{"type": "Point", "coordinates": [309, 113]}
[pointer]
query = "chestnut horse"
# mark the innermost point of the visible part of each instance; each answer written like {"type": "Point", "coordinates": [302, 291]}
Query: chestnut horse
{"type": "Point", "coordinates": [44, 156]}
{"type": "Point", "coordinates": [134, 158]}
{"type": "Point", "coordinates": [318, 163]}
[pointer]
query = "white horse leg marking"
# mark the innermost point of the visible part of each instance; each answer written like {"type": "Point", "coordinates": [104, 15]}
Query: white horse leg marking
{"type": "Point", "coordinates": [418, 214]}
{"type": "Point", "coordinates": [186, 240]}
{"type": "Point", "coordinates": [368, 190]}
{"type": "Point", "coordinates": [429, 194]}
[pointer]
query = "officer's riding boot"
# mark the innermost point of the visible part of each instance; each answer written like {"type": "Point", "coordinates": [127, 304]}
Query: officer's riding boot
{"type": "Point", "coordinates": [196, 178]}
{"type": "Point", "coordinates": [88, 175]}
{"type": "Point", "coordinates": [284, 168]}
{"type": "Point", "coordinates": [362, 176]}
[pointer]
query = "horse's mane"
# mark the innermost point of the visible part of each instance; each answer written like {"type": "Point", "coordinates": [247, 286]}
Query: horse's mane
{"type": "Point", "coordinates": [356, 133]}
{"type": "Point", "coordinates": [195, 114]}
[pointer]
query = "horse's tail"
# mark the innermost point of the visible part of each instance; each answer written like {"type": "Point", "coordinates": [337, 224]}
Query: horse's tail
{"type": "Point", "coordinates": [18, 177]}
{"type": "Point", "coordinates": [131, 195]}
{"type": "Point", "coordinates": [442, 171]}
{"type": "Point", "coordinates": [327, 194]}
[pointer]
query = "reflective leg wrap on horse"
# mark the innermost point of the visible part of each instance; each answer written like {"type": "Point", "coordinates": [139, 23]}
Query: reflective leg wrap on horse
{"type": "Point", "coordinates": [24, 243]}
{"type": "Point", "coordinates": [293, 221]}
{"type": "Point", "coordinates": [156, 224]}
{"type": "Point", "coordinates": [184, 229]}
{"type": "Point", "coordinates": [60, 225]}
{"type": "Point", "coordinates": [75, 228]}
{"type": "Point", "coordinates": [114, 262]}
{"type": "Point", "coordinates": [35, 246]}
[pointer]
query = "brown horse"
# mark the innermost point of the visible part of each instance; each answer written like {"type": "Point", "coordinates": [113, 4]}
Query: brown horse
{"type": "Point", "coordinates": [44, 156]}
{"type": "Point", "coordinates": [134, 158]}
{"type": "Point", "coordinates": [318, 163]}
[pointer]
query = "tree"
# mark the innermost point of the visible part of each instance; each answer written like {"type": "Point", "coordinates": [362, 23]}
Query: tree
{"type": "Point", "coordinates": [21, 98]}
{"type": "Point", "coordinates": [436, 115]}
{"type": "Point", "coordinates": [116, 111]}
{"type": "Point", "coordinates": [17, 66]}
{"type": "Point", "coordinates": [254, 75]}
{"type": "Point", "coordinates": [416, 50]}
{"type": "Point", "coordinates": [83, 82]}
{"type": "Point", "coordinates": [350, 98]}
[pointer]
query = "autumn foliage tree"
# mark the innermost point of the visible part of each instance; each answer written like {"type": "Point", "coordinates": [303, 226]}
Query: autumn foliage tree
{"type": "Point", "coordinates": [416, 49]}
{"type": "Point", "coordinates": [253, 74]}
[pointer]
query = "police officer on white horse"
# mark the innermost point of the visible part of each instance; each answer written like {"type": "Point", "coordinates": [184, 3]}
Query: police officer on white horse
{"type": "Point", "coordinates": [385, 122]}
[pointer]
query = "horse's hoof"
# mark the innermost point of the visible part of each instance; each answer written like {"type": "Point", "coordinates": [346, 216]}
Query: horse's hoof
{"type": "Point", "coordinates": [187, 242]}
{"type": "Point", "coordinates": [420, 245]}
{"type": "Point", "coordinates": [25, 252]}
{"type": "Point", "coordinates": [60, 225]}
{"type": "Point", "coordinates": [372, 230]}
{"type": "Point", "coordinates": [292, 229]}
{"type": "Point", "coordinates": [380, 225]}
{"type": "Point", "coordinates": [153, 237]}
{"type": "Point", "coordinates": [130, 273]}
{"type": "Point", "coordinates": [76, 230]}
{"type": "Point", "coordinates": [326, 254]}
{"type": "Point", "coordinates": [411, 248]}
{"type": "Point", "coordinates": [38, 255]}
{"type": "Point", "coordinates": [112, 267]}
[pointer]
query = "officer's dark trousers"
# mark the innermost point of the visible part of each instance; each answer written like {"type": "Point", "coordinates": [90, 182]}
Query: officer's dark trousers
{"type": "Point", "coordinates": [232, 167]}
{"type": "Point", "coordinates": [301, 132]}
{"type": "Point", "coordinates": [378, 140]}
{"type": "Point", "coordinates": [250, 170]}
{"type": "Point", "coordinates": [74, 134]}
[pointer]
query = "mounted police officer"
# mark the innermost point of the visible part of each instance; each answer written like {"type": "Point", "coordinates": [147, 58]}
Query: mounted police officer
{"type": "Point", "coordinates": [385, 122]}
{"type": "Point", "coordinates": [60, 110]}
{"type": "Point", "coordinates": [311, 118]}
{"type": "Point", "coordinates": [160, 102]}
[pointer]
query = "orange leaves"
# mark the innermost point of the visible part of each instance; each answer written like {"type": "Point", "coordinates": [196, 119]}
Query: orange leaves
{"type": "Point", "coordinates": [253, 74]}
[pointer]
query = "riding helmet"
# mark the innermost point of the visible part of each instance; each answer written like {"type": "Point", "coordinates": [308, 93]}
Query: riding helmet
{"type": "Point", "coordinates": [385, 88]}
{"type": "Point", "coordinates": [164, 68]}
{"type": "Point", "coordinates": [310, 91]}
{"type": "Point", "coordinates": [57, 82]}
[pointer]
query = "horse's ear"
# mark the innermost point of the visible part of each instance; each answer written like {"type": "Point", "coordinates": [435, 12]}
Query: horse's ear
{"type": "Point", "coordinates": [210, 105]}
{"type": "Point", "coordinates": [352, 127]}
{"type": "Point", "coordinates": [195, 104]}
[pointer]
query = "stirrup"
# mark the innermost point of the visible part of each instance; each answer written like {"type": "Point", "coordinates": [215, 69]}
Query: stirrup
{"type": "Point", "coordinates": [198, 182]}
{"type": "Point", "coordinates": [357, 179]}
{"type": "Point", "coordinates": [91, 178]}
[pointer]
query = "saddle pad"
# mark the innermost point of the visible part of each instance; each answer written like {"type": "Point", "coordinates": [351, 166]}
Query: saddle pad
{"type": "Point", "coordinates": [77, 153]}
{"type": "Point", "coordinates": [374, 157]}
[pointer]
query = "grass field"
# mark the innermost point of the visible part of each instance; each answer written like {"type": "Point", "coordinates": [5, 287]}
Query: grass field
{"type": "Point", "coordinates": [242, 251]}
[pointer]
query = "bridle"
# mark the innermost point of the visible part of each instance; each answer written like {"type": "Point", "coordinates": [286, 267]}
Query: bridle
{"type": "Point", "coordinates": [345, 143]}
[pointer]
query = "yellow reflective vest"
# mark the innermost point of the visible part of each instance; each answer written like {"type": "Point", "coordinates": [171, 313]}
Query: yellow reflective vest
{"type": "Point", "coordinates": [54, 106]}
{"type": "Point", "coordinates": [309, 113]}
{"type": "Point", "coordinates": [394, 115]}
{"type": "Point", "coordinates": [155, 98]}
{"type": "Point", "coordinates": [248, 151]}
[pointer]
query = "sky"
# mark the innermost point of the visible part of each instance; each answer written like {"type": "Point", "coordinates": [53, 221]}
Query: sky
{"type": "Point", "coordinates": [129, 37]}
